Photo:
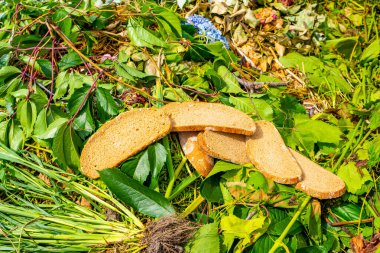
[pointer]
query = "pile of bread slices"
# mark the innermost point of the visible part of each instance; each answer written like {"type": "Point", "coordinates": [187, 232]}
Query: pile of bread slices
{"type": "Point", "coordinates": [207, 131]}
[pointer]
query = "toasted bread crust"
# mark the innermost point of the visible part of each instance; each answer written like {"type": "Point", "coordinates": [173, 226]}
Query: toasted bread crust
{"type": "Point", "coordinates": [199, 116]}
{"type": "Point", "coordinates": [268, 152]}
{"type": "Point", "coordinates": [122, 137]}
{"type": "Point", "coordinates": [317, 181]}
{"type": "Point", "coordinates": [201, 162]}
{"type": "Point", "coordinates": [224, 146]}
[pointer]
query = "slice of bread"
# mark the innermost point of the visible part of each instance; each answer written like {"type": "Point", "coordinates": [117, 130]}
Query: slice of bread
{"type": "Point", "coordinates": [316, 181]}
{"type": "Point", "coordinates": [199, 116]}
{"type": "Point", "coordinates": [224, 146]}
{"type": "Point", "coordinates": [199, 159]}
{"type": "Point", "coordinates": [121, 138]}
{"type": "Point", "coordinates": [268, 152]}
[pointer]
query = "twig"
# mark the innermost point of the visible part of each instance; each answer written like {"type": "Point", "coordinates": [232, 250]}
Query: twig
{"type": "Point", "coordinates": [72, 46]}
{"type": "Point", "coordinates": [52, 74]}
{"type": "Point", "coordinates": [352, 222]}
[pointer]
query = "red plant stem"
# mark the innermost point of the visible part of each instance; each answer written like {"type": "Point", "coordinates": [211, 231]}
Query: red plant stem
{"type": "Point", "coordinates": [93, 86]}
{"type": "Point", "coordinates": [87, 67]}
{"type": "Point", "coordinates": [34, 52]}
{"type": "Point", "coordinates": [52, 74]}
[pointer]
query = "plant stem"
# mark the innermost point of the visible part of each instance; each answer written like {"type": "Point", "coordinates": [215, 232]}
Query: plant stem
{"type": "Point", "coordinates": [193, 205]}
{"type": "Point", "coordinates": [169, 189]}
{"type": "Point", "coordinates": [347, 147]}
{"type": "Point", "coordinates": [169, 161]}
{"type": "Point", "coordinates": [279, 242]}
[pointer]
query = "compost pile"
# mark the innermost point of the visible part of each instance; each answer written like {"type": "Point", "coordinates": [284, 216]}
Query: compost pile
{"type": "Point", "coordinates": [68, 68]}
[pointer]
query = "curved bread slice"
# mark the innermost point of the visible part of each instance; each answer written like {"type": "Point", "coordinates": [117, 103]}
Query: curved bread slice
{"type": "Point", "coordinates": [199, 159]}
{"type": "Point", "coordinates": [268, 152]}
{"type": "Point", "coordinates": [121, 138]}
{"type": "Point", "coordinates": [316, 181]}
{"type": "Point", "coordinates": [224, 146]}
{"type": "Point", "coordinates": [199, 116]}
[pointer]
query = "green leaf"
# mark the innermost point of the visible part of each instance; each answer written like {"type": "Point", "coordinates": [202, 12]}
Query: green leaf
{"type": "Point", "coordinates": [51, 131]}
{"type": "Point", "coordinates": [65, 147]}
{"type": "Point", "coordinates": [312, 220]}
{"type": "Point", "coordinates": [7, 73]}
{"type": "Point", "coordinates": [309, 132]}
{"type": "Point", "coordinates": [129, 73]}
{"type": "Point", "coordinates": [171, 19]}
{"type": "Point", "coordinates": [5, 48]}
{"type": "Point", "coordinates": [258, 107]}
{"type": "Point", "coordinates": [16, 138]}
{"type": "Point", "coordinates": [84, 123]}
{"type": "Point", "coordinates": [157, 159]}
{"type": "Point", "coordinates": [279, 220]}
{"type": "Point", "coordinates": [45, 66]}
{"type": "Point", "coordinates": [371, 52]}
{"type": "Point", "coordinates": [348, 212]}
{"type": "Point", "coordinates": [374, 120]}
{"type": "Point", "coordinates": [210, 188]}
{"type": "Point", "coordinates": [132, 193]}
{"type": "Point", "coordinates": [69, 60]}
{"type": "Point", "coordinates": [263, 244]}
{"type": "Point", "coordinates": [27, 115]}
{"type": "Point", "coordinates": [61, 84]}
{"type": "Point", "coordinates": [231, 85]}
{"type": "Point", "coordinates": [206, 240]}
{"type": "Point", "coordinates": [77, 99]}
{"type": "Point", "coordinates": [141, 37]}
{"type": "Point", "coordinates": [60, 16]}
{"type": "Point", "coordinates": [241, 228]}
{"type": "Point", "coordinates": [356, 182]}
{"type": "Point", "coordinates": [106, 105]}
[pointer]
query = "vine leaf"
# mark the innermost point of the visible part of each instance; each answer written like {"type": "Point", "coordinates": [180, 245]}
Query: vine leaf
{"type": "Point", "coordinates": [66, 147]}
{"type": "Point", "coordinates": [106, 105]}
{"type": "Point", "coordinates": [141, 37]}
{"type": "Point", "coordinates": [27, 115]}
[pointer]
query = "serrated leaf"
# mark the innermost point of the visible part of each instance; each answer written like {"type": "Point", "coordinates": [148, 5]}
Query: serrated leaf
{"type": "Point", "coordinates": [45, 66]}
{"type": "Point", "coordinates": [69, 60]}
{"type": "Point", "coordinates": [206, 240]}
{"type": "Point", "coordinates": [141, 37]}
{"type": "Point", "coordinates": [356, 182]}
{"type": "Point", "coordinates": [371, 52]}
{"type": "Point", "coordinates": [27, 115]}
{"type": "Point", "coordinates": [210, 188]}
{"type": "Point", "coordinates": [52, 130]}
{"type": "Point", "coordinates": [106, 105]}
{"type": "Point", "coordinates": [132, 193]}
{"type": "Point", "coordinates": [279, 220]}
{"type": "Point", "coordinates": [65, 147]}
{"type": "Point", "coordinates": [77, 99]}
{"type": "Point", "coordinates": [231, 85]}
{"type": "Point", "coordinates": [16, 138]}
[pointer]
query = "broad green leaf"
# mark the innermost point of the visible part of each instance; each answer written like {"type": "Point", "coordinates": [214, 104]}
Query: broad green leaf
{"type": "Point", "coordinates": [231, 85]}
{"type": "Point", "coordinates": [348, 212]}
{"type": "Point", "coordinates": [263, 244]}
{"type": "Point", "coordinates": [134, 194]}
{"type": "Point", "coordinates": [41, 126]}
{"type": "Point", "coordinates": [51, 130]}
{"type": "Point", "coordinates": [16, 138]}
{"type": "Point", "coordinates": [4, 129]}
{"type": "Point", "coordinates": [65, 24]}
{"type": "Point", "coordinates": [84, 123]}
{"type": "Point", "coordinates": [310, 131]}
{"type": "Point", "coordinates": [356, 182]}
{"type": "Point", "coordinates": [69, 60]}
{"type": "Point", "coordinates": [259, 107]}
{"type": "Point", "coordinates": [206, 240]}
{"type": "Point", "coordinates": [241, 228]}
{"type": "Point", "coordinates": [77, 99]}
{"type": "Point", "coordinates": [176, 94]}
{"type": "Point", "coordinates": [171, 19]}
{"type": "Point", "coordinates": [210, 188]}
{"type": "Point", "coordinates": [157, 159]}
{"type": "Point", "coordinates": [7, 73]}
{"type": "Point", "coordinates": [27, 115]}
{"type": "Point", "coordinates": [371, 52]}
{"type": "Point", "coordinates": [106, 105]}
{"type": "Point", "coordinates": [45, 66]}
{"type": "Point", "coordinates": [61, 84]}
{"type": "Point", "coordinates": [141, 37]}
{"type": "Point", "coordinates": [5, 48]}
{"type": "Point", "coordinates": [344, 46]}
{"type": "Point", "coordinates": [129, 73]}
{"type": "Point", "coordinates": [65, 147]}
{"type": "Point", "coordinates": [374, 120]}
{"type": "Point", "coordinates": [312, 220]}
{"type": "Point", "coordinates": [279, 220]}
